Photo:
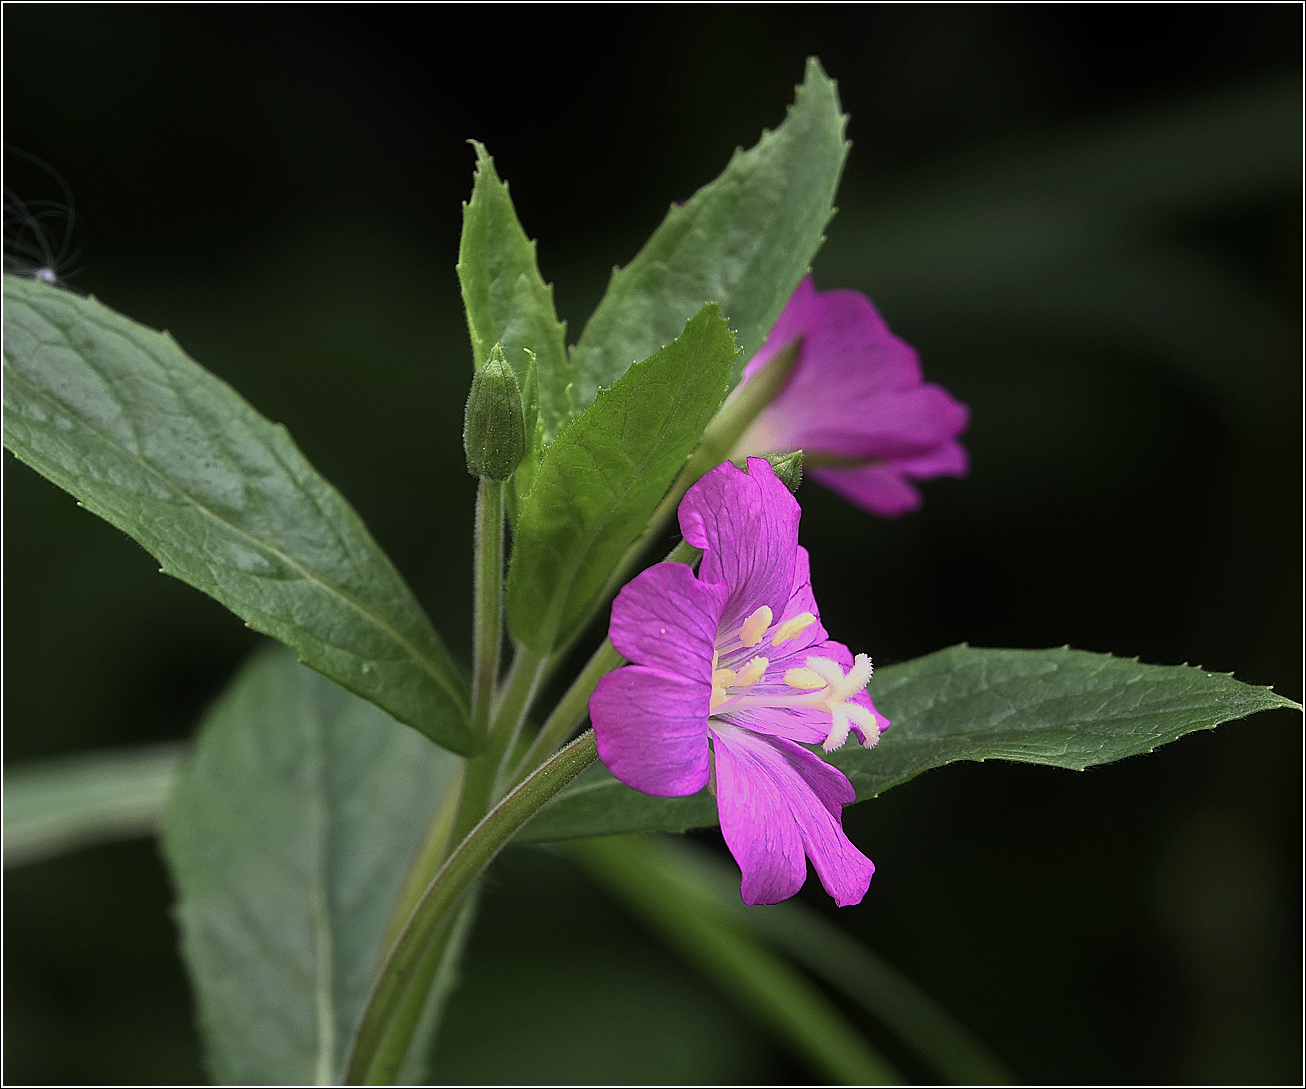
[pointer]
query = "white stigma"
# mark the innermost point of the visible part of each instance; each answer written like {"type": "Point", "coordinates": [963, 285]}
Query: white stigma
{"type": "Point", "coordinates": [831, 689]}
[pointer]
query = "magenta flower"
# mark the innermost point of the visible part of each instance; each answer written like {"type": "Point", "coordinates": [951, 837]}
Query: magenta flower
{"type": "Point", "coordinates": [732, 675]}
{"type": "Point", "coordinates": [856, 405]}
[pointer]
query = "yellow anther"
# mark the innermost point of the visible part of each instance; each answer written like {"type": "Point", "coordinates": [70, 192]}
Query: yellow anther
{"type": "Point", "coordinates": [755, 626]}
{"type": "Point", "coordinates": [752, 672]}
{"type": "Point", "coordinates": [795, 625]}
{"type": "Point", "coordinates": [802, 677]}
{"type": "Point", "coordinates": [718, 697]}
{"type": "Point", "coordinates": [723, 678]}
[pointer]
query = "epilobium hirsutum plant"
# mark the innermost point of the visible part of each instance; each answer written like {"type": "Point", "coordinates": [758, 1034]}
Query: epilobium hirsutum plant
{"type": "Point", "coordinates": [329, 830]}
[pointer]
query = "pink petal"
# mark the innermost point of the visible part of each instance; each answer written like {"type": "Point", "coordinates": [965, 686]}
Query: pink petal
{"type": "Point", "coordinates": [666, 618]}
{"type": "Point", "coordinates": [788, 326]}
{"type": "Point", "coordinates": [651, 729]}
{"type": "Point", "coordinates": [842, 332]}
{"type": "Point", "coordinates": [747, 526]}
{"type": "Point", "coordinates": [779, 802]}
{"type": "Point", "coordinates": [845, 421]}
{"type": "Point", "coordinates": [857, 393]}
{"type": "Point", "coordinates": [875, 488]}
{"type": "Point", "coordinates": [801, 600]}
{"type": "Point", "coordinates": [950, 459]}
{"type": "Point", "coordinates": [807, 726]}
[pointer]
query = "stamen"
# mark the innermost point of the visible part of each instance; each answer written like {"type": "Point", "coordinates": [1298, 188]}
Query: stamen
{"type": "Point", "coordinates": [750, 634]}
{"type": "Point", "coordinates": [752, 672]}
{"type": "Point", "coordinates": [792, 627]}
{"type": "Point", "coordinates": [801, 677]}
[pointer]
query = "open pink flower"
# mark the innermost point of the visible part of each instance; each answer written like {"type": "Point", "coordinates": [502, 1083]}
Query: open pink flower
{"type": "Point", "coordinates": [732, 675]}
{"type": "Point", "coordinates": [856, 404]}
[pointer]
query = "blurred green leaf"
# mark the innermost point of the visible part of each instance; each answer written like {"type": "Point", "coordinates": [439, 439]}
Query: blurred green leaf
{"type": "Point", "coordinates": [604, 476]}
{"type": "Point", "coordinates": [289, 835]}
{"type": "Point", "coordinates": [702, 876]}
{"type": "Point", "coordinates": [1067, 708]}
{"type": "Point", "coordinates": [60, 805]}
{"type": "Point", "coordinates": [713, 938]}
{"type": "Point", "coordinates": [506, 298]}
{"type": "Point", "coordinates": [743, 241]}
{"type": "Point", "coordinates": [118, 415]}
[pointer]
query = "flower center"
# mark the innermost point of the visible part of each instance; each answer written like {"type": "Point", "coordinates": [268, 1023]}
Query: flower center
{"type": "Point", "coordinates": [832, 690]}
{"type": "Point", "coordinates": [819, 684]}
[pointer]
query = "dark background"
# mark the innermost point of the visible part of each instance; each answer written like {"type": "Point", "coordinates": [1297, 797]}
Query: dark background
{"type": "Point", "coordinates": [280, 187]}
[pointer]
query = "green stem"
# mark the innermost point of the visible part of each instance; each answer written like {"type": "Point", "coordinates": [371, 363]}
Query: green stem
{"type": "Point", "coordinates": [782, 998]}
{"type": "Point", "coordinates": [385, 1031]}
{"type": "Point", "coordinates": [484, 771]}
{"type": "Point", "coordinates": [574, 706]}
{"type": "Point", "coordinates": [431, 852]}
{"type": "Point", "coordinates": [487, 636]}
{"type": "Point", "coordinates": [427, 990]}
{"type": "Point", "coordinates": [571, 709]}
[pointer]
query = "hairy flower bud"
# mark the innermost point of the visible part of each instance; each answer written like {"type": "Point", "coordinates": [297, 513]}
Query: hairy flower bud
{"type": "Point", "coordinates": [494, 430]}
{"type": "Point", "coordinates": [789, 468]}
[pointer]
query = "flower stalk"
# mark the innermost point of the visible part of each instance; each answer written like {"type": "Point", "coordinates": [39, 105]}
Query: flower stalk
{"type": "Point", "coordinates": [483, 772]}
{"type": "Point", "coordinates": [487, 632]}
{"type": "Point", "coordinates": [390, 1016]}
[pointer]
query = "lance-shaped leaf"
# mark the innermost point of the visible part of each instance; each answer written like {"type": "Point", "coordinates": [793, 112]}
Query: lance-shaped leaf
{"type": "Point", "coordinates": [743, 241]}
{"type": "Point", "coordinates": [118, 415]}
{"type": "Point", "coordinates": [1067, 708]}
{"type": "Point", "coordinates": [604, 475]}
{"type": "Point", "coordinates": [506, 298]}
{"type": "Point", "coordinates": [289, 835]}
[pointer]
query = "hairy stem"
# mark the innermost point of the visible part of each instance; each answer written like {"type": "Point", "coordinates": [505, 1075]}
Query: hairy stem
{"type": "Point", "coordinates": [487, 593]}
{"type": "Point", "coordinates": [571, 709]}
{"type": "Point", "coordinates": [484, 770]}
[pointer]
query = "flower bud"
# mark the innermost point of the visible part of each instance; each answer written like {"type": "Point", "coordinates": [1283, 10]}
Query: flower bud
{"type": "Point", "coordinates": [789, 468]}
{"type": "Point", "coordinates": [494, 430]}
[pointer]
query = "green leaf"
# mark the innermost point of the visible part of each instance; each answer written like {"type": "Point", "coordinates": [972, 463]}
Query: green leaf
{"type": "Point", "coordinates": [604, 476]}
{"type": "Point", "coordinates": [289, 835]}
{"type": "Point", "coordinates": [59, 805]}
{"type": "Point", "coordinates": [1061, 707]}
{"type": "Point", "coordinates": [1067, 708]}
{"type": "Point", "coordinates": [743, 241]}
{"type": "Point", "coordinates": [506, 298]}
{"type": "Point", "coordinates": [118, 415]}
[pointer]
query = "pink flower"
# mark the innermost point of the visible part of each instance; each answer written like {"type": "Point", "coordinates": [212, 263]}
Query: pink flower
{"type": "Point", "coordinates": [732, 675]}
{"type": "Point", "coordinates": [856, 405]}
